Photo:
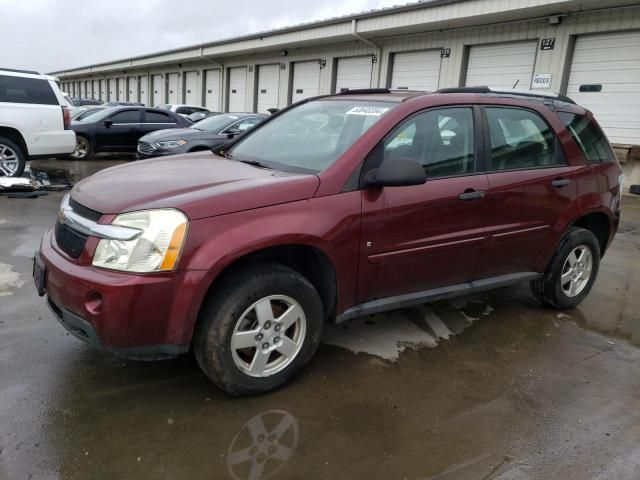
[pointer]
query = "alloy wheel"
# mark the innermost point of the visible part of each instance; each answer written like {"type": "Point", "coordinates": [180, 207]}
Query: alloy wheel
{"type": "Point", "coordinates": [81, 150]}
{"type": "Point", "coordinates": [9, 161]}
{"type": "Point", "coordinates": [576, 271]}
{"type": "Point", "coordinates": [268, 336]}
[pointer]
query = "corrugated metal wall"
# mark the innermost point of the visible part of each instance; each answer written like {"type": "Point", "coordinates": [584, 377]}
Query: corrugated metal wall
{"type": "Point", "coordinates": [452, 69]}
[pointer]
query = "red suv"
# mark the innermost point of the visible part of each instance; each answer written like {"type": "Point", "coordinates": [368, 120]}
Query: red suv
{"type": "Point", "coordinates": [336, 207]}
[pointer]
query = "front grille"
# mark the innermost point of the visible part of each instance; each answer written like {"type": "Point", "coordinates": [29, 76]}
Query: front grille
{"type": "Point", "coordinates": [83, 211]}
{"type": "Point", "coordinates": [147, 148]}
{"type": "Point", "coordinates": [70, 241]}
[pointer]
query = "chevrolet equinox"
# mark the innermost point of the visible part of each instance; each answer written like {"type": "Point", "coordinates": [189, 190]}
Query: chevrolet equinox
{"type": "Point", "coordinates": [336, 207]}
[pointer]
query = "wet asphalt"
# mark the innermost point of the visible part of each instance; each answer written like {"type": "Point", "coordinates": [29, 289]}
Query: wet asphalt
{"type": "Point", "coordinates": [485, 387]}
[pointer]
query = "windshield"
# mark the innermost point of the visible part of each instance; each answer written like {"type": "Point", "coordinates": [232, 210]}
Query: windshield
{"type": "Point", "coordinates": [215, 123]}
{"type": "Point", "coordinates": [95, 116]}
{"type": "Point", "coordinates": [87, 113]}
{"type": "Point", "coordinates": [310, 137]}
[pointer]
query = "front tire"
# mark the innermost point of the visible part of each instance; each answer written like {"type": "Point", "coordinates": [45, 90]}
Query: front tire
{"type": "Point", "coordinates": [12, 158]}
{"type": "Point", "coordinates": [257, 328]}
{"type": "Point", "coordinates": [571, 272]}
{"type": "Point", "coordinates": [83, 148]}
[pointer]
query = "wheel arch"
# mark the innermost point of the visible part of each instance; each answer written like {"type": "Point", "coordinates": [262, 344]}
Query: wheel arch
{"type": "Point", "coordinates": [15, 136]}
{"type": "Point", "coordinates": [307, 259]}
{"type": "Point", "coordinates": [600, 224]}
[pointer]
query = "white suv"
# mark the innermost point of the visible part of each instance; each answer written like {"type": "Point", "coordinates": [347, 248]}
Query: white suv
{"type": "Point", "coordinates": [34, 120]}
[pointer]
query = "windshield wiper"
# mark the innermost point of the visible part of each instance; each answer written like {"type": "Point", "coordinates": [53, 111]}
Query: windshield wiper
{"type": "Point", "coordinates": [255, 163]}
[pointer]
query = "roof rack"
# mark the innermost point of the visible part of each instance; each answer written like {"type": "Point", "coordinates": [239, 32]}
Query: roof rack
{"type": "Point", "coordinates": [362, 91]}
{"type": "Point", "coordinates": [31, 72]}
{"type": "Point", "coordinates": [515, 93]}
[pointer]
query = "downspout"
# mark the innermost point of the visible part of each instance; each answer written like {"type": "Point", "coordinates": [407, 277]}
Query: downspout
{"type": "Point", "coordinates": [354, 32]}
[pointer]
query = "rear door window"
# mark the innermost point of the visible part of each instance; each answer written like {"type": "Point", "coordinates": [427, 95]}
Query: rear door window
{"type": "Point", "coordinates": [158, 117]}
{"type": "Point", "coordinates": [520, 139]}
{"type": "Point", "coordinates": [26, 90]}
{"type": "Point", "coordinates": [589, 137]}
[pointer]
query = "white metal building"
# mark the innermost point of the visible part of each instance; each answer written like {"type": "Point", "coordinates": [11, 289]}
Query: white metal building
{"type": "Point", "coordinates": [588, 49]}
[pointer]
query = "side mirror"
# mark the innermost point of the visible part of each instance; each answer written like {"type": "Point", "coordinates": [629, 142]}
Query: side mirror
{"type": "Point", "coordinates": [399, 172]}
{"type": "Point", "coordinates": [635, 189]}
{"type": "Point", "coordinates": [233, 133]}
{"type": "Point", "coordinates": [108, 123]}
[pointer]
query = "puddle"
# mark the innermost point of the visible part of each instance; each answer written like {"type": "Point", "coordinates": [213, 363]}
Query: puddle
{"type": "Point", "coordinates": [387, 335]}
{"type": "Point", "coordinates": [8, 279]}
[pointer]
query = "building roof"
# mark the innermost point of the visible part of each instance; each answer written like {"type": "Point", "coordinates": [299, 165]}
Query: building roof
{"type": "Point", "coordinates": [264, 33]}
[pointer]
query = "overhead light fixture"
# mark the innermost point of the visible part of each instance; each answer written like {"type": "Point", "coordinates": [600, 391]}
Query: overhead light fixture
{"type": "Point", "coordinates": [555, 20]}
{"type": "Point", "coordinates": [284, 53]}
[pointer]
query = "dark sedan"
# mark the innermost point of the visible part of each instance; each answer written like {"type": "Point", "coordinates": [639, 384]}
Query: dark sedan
{"type": "Point", "coordinates": [203, 135]}
{"type": "Point", "coordinates": [118, 129]}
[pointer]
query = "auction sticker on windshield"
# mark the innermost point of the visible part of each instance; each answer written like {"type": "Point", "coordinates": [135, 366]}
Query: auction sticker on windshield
{"type": "Point", "coordinates": [374, 111]}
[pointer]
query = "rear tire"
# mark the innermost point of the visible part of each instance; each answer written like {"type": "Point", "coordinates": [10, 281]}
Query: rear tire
{"type": "Point", "coordinates": [571, 272]}
{"type": "Point", "coordinates": [12, 158]}
{"type": "Point", "coordinates": [257, 328]}
{"type": "Point", "coordinates": [83, 149]}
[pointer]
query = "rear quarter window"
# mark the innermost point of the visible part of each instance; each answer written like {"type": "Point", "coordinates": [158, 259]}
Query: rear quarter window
{"type": "Point", "coordinates": [26, 90]}
{"type": "Point", "coordinates": [589, 137]}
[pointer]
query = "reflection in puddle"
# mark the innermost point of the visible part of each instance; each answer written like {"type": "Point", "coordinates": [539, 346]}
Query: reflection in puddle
{"type": "Point", "coordinates": [263, 445]}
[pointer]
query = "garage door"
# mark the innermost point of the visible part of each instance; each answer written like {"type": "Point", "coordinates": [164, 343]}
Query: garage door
{"type": "Point", "coordinates": [306, 80]}
{"type": "Point", "coordinates": [96, 89]}
{"type": "Point", "coordinates": [237, 89]}
{"type": "Point", "coordinates": [173, 95]}
{"type": "Point", "coordinates": [212, 90]}
{"type": "Point", "coordinates": [111, 89]}
{"type": "Point", "coordinates": [502, 65]}
{"type": "Point", "coordinates": [416, 70]}
{"type": "Point", "coordinates": [191, 85]}
{"type": "Point", "coordinates": [143, 81]}
{"type": "Point", "coordinates": [354, 72]}
{"type": "Point", "coordinates": [103, 90]}
{"type": "Point", "coordinates": [268, 87]}
{"type": "Point", "coordinates": [133, 89]}
{"type": "Point", "coordinates": [122, 89]}
{"type": "Point", "coordinates": [156, 85]}
{"type": "Point", "coordinates": [609, 66]}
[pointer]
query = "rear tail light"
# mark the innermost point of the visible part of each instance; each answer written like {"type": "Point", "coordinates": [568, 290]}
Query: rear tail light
{"type": "Point", "coordinates": [66, 117]}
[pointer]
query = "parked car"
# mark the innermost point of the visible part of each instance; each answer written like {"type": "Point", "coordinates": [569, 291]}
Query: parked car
{"type": "Point", "coordinates": [80, 102]}
{"type": "Point", "coordinates": [118, 129]}
{"type": "Point", "coordinates": [204, 135]}
{"type": "Point", "coordinates": [34, 120]}
{"type": "Point", "coordinates": [337, 207]}
{"type": "Point", "coordinates": [185, 110]}
{"type": "Point", "coordinates": [197, 116]}
{"type": "Point", "coordinates": [123, 104]}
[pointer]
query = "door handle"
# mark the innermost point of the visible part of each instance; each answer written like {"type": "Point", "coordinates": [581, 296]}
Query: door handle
{"type": "Point", "coordinates": [560, 182]}
{"type": "Point", "coordinates": [471, 194]}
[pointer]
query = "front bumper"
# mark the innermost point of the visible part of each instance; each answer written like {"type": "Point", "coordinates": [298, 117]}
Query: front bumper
{"type": "Point", "coordinates": [143, 317]}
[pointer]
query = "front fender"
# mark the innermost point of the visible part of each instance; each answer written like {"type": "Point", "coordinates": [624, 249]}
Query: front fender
{"type": "Point", "coordinates": [330, 224]}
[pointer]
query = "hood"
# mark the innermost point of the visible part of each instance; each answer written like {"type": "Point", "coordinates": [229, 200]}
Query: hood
{"type": "Point", "coordinates": [200, 184]}
{"type": "Point", "coordinates": [177, 134]}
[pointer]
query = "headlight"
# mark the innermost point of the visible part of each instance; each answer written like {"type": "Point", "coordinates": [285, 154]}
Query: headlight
{"type": "Point", "coordinates": [170, 144]}
{"type": "Point", "coordinates": [156, 249]}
